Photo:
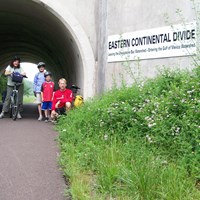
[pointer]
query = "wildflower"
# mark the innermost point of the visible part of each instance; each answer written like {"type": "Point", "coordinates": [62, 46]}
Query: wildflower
{"type": "Point", "coordinates": [146, 100]}
{"type": "Point", "coordinates": [134, 109]}
{"type": "Point", "coordinates": [150, 125]}
{"type": "Point", "coordinates": [183, 101]}
{"type": "Point", "coordinates": [177, 129]}
{"type": "Point", "coordinates": [101, 123]}
{"type": "Point", "coordinates": [164, 162]}
{"type": "Point", "coordinates": [146, 118]}
{"type": "Point", "coordinates": [156, 104]}
{"type": "Point", "coordinates": [149, 139]}
{"type": "Point", "coordinates": [191, 91]}
{"type": "Point", "coordinates": [105, 137]}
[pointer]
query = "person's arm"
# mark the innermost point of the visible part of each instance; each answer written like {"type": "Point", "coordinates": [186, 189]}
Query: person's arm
{"type": "Point", "coordinates": [42, 93]}
{"type": "Point", "coordinates": [23, 72]}
{"type": "Point", "coordinates": [54, 90]}
{"type": "Point", "coordinates": [8, 71]}
{"type": "Point", "coordinates": [54, 102]}
{"type": "Point", "coordinates": [35, 82]}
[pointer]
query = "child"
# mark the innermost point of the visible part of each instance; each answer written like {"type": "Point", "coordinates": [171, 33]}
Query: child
{"type": "Point", "coordinates": [47, 95]}
{"type": "Point", "coordinates": [62, 99]}
{"type": "Point", "coordinates": [37, 84]}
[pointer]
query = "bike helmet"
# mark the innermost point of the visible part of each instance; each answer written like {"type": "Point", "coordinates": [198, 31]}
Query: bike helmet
{"type": "Point", "coordinates": [41, 64]}
{"type": "Point", "coordinates": [16, 58]}
{"type": "Point", "coordinates": [75, 87]}
{"type": "Point", "coordinates": [47, 74]}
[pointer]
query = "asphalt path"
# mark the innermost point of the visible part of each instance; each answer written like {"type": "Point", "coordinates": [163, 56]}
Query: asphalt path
{"type": "Point", "coordinates": [28, 159]}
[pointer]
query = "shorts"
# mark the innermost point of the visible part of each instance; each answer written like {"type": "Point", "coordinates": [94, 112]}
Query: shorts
{"type": "Point", "coordinates": [47, 105]}
{"type": "Point", "coordinates": [61, 111]}
{"type": "Point", "coordinates": [38, 98]}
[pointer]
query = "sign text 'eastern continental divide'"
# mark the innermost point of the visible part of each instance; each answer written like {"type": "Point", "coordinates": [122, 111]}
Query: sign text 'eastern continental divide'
{"type": "Point", "coordinates": [170, 41]}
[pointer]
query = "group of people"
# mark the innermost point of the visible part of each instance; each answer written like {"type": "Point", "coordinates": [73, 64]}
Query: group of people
{"type": "Point", "coordinates": [52, 103]}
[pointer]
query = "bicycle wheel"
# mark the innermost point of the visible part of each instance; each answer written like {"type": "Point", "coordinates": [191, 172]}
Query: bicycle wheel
{"type": "Point", "coordinates": [11, 105]}
{"type": "Point", "coordinates": [15, 107]}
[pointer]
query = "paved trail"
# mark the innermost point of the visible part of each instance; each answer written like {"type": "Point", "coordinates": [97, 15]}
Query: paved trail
{"type": "Point", "coordinates": [28, 160]}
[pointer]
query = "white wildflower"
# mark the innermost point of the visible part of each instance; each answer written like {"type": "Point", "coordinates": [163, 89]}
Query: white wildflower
{"type": "Point", "coordinates": [105, 137]}
{"type": "Point", "coordinates": [177, 129]}
{"type": "Point", "coordinates": [164, 162]}
{"type": "Point", "coordinates": [183, 101]}
{"type": "Point", "coordinates": [151, 125]}
{"type": "Point", "coordinates": [149, 139]}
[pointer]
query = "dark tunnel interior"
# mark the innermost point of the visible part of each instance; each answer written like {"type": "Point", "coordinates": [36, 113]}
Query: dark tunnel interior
{"type": "Point", "coordinates": [29, 30]}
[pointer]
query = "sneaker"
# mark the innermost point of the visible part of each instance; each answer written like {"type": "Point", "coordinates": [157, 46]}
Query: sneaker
{"type": "Point", "coordinates": [19, 116]}
{"type": "Point", "coordinates": [40, 118]}
{"type": "Point", "coordinates": [46, 119]}
{"type": "Point", "coordinates": [2, 115]}
{"type": "Point", "coordinates": [53, 121]}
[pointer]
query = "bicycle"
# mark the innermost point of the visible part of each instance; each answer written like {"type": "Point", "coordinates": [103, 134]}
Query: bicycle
{"type": "Point", "coordinates": [14, 99]}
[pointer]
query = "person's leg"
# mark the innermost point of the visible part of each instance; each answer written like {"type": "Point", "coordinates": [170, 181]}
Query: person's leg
{"type": "Point", "coordinates": [46, 115]}
{"type": "Point", "coordinates": [68, 106]}
{"type": "Point", "coordinates": [39, 101]}
{"type": "Point", "coordinates": [20, 98]}
{"type": "Point", "coordinates": [45, 109]}
{"type": "Point", "coordinates": [6, 105]}
{"type": "Point", "coordinates": [49, 109]}
{"type": "Point", "coordinates": [54, 115]}
{"type": "Point", "coordinates": [40, 109]}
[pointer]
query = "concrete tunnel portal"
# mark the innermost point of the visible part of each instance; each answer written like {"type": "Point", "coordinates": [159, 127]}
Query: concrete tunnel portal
{"type": "Point", "coordinates": [37, 33]}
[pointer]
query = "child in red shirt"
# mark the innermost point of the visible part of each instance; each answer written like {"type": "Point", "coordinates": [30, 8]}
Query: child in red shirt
{"type": "Point", "coordinates": [62, 99]}
{"type": "Point", "coordinates": [47, 91]}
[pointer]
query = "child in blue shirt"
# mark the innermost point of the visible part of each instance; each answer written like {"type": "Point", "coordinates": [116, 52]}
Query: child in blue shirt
{"type": "Point", "coordinates": [39, 79]}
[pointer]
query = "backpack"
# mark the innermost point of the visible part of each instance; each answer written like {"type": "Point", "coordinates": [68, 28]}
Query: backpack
{"type": "Point", "coordinates": [78, 101]}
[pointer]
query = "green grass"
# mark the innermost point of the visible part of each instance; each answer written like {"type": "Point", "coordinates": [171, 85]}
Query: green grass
{"type": "Point", "coordinates": [29, 99]}
{"type": "Point", "coordinates": [141, 142]}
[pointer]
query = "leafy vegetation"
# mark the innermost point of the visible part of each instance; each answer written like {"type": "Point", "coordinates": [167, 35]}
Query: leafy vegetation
{"type": "Point", "coordinates": [28, 92]}
{"type": "Point", "coordinates": [3, 82]}
{"type": "Point", "coordinates": [141, 142]}
{"type": "Point", "coordinates": [28, 88]}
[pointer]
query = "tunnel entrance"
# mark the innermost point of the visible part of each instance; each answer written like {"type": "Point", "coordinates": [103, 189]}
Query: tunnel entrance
{"type": "Point", "coordinates": [37, 32]}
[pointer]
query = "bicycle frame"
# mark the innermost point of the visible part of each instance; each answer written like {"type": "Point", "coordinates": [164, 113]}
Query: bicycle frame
{"type": "Point", "coordinates": [14, 104]}
{"type": "Point", "coordinates": [14, 100]}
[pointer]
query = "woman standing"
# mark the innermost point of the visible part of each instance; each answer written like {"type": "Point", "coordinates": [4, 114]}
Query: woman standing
{"type": "Point", "coordinates": [13, 67]}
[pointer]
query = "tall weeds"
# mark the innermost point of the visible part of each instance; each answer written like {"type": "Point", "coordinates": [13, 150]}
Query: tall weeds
{"type": "Point", "coordinates": [141, 142]}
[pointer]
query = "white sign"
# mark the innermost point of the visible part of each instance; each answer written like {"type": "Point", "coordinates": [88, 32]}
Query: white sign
{"type": "Point", "coordinates": [169, 41]}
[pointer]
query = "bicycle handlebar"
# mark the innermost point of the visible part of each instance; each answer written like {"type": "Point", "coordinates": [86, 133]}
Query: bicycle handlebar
{"type": "Point", "coordinates": [24, 76]}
